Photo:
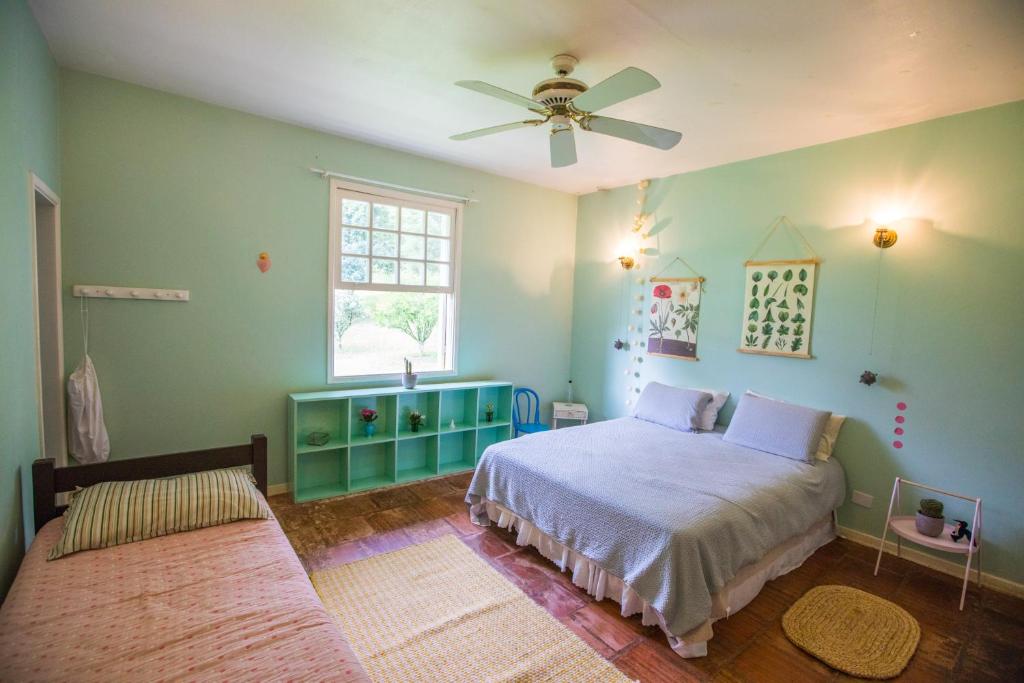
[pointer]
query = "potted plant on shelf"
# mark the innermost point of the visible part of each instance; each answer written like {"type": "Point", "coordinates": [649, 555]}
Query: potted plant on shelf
{"type": "Point", "coordinates": [368, 416]}
{"type": "Point", "coordinates": [930, 521]}
{"type": "Point", "coordinates": [416, 418]}
{"type": "Point", "coordinates": [489, 412]}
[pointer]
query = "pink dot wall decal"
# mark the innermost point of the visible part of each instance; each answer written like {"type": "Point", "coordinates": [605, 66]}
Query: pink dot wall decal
{"type": "Point", "coordinates": [901, 419]}
{"type": "Point", "coordinates": [901, 406]}
{"type": "Point", "coordinates": [898, 431]}
{"type": "Point", "coordinates": [897, 444]}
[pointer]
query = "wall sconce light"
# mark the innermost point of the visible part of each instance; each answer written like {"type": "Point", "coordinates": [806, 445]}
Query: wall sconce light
{"type": "Point", "coordinates": [629, 251]}
{"type": "Point", "coordinates": [884, 237]}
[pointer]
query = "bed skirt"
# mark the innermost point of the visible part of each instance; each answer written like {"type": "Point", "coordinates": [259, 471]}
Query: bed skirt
{"type": "Point", "coordinates": [586, 574]}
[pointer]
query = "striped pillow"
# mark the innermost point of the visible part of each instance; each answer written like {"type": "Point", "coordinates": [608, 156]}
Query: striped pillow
{"type": "Point", "coordinates": [116, 512]}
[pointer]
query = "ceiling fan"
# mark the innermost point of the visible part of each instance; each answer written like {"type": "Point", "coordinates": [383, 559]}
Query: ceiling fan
{"type": "Point", "coordinates": [563, 100]}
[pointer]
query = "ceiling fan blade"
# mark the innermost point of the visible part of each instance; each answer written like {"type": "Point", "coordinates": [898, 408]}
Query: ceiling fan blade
{"type": "Point", "coordinates": [662, 138]}
{"type": "Point", "coordinates": [628, 83]}
{"type": "Point", "coordinates": [502, 94]}
{"type": "Point", "coordinates": [496, 129]}
{"type": "Point", "coordinates": [563, 147]}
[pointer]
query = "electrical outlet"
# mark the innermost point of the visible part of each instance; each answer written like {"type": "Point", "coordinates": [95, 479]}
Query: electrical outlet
{"type": "Point", "coordinates": [863, 499]}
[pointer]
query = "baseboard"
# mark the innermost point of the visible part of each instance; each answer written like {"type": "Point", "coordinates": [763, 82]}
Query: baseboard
{"type": "Point", "coordinates": [277, 489]}
{"type": "Point", "coordinates": [911, 554]}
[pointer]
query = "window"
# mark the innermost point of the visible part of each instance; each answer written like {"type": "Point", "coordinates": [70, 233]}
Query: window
{"type": "Point", "coordinates": [392, 283]}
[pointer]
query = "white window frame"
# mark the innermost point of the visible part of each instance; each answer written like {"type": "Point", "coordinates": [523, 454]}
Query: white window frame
{"type": "Point", "coordinates": [338, 187]}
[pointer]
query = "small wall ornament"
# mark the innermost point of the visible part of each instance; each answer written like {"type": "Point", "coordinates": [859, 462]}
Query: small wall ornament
{"type": "Point", "coordinates": [263, 262]}
{"type": "Point", "coordinates": [868, 377]}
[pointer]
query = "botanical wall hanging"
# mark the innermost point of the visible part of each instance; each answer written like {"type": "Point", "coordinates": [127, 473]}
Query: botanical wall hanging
{"type": "Point", "coordinates": [675, 315]}
{"type": "Point", "coordinates": [779, 302]}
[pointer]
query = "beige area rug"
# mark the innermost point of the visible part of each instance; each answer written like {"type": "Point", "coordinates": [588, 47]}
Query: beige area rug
{"type": "Point", "coordinates": [437, 612]}
{"type": "Point", "coordinates": [853, 631]}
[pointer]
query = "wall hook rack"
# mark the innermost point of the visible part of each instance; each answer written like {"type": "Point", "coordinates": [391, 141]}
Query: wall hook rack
{"type": "Point", "coordinates": [105, 292]}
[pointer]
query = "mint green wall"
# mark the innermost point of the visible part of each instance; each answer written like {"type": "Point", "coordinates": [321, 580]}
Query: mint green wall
{"type": "Point", "coordinates": [28, 142]}
{"type": "Point", "coordinates": [950, 334]}
{"type": "Point", "coordinates": [163, 191]}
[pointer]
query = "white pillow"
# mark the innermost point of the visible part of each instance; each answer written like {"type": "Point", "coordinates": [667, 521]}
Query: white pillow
{"type": "Point", "coordinates": [785, 429]}
{"type": "Point", "coordinates": [671, 407]}
{"type": "Point", "coordinates": [828, 435]}
{"type": "Point", "coordinates": [710, 414]}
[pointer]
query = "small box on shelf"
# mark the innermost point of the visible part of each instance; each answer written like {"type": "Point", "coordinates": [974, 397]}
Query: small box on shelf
{"type": "Point", "coordinates": [328, 417]}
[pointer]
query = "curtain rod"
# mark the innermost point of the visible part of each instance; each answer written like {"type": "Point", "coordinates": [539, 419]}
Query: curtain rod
{"type": "Point", "coordinates": [380, 183]}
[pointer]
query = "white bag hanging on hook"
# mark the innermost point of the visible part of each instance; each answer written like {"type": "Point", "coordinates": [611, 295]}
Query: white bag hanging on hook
{"type": "Point", "coordinates": [87, 435]}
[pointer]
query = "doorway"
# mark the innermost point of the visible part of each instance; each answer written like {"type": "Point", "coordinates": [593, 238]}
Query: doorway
{"type": "Point", "coordinates": [47, 292]}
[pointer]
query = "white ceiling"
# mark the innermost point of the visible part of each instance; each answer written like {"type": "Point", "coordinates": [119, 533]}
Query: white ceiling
{"type": "Point", "coordinates": [740, 78]}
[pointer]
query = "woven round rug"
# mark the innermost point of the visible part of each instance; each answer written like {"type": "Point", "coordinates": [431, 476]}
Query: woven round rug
{"type": "Point", "coordinates": [853, 631]}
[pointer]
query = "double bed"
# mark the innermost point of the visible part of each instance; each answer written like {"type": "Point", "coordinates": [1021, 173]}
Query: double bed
{"type": "Point", "coordinates": [228, 602]}
{"type": "Point", "coordinates": [684, 528]}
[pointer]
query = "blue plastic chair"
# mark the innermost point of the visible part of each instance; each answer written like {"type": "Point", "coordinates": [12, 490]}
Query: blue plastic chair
{"type": "Point", "coordinates": [531, 424]}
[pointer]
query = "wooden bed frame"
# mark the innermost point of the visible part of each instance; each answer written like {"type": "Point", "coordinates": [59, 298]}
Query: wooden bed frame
{"type": "Point", "coordinates": [48, 480]}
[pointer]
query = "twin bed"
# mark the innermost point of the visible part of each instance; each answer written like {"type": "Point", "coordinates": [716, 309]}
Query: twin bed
{"type": "Point", "coordinates": [228, 602]}
{"type": "Point", "coordinates": [684, 528]}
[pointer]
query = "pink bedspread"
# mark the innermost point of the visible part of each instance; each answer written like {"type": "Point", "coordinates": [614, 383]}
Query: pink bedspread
{"type": "Point", "coordinates": [230, 602]}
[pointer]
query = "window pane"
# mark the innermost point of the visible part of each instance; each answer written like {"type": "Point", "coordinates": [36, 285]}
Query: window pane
{"type": "Point", "coordinates": [439, 224]}
{"type": "Point", "coordinates": [374, 331]}
{"type": "Point", "coordinates": [412, 273]}
{"type": "Point", "coordinates": [355, 241]}
{"type": "Point", "coordinates": [412, 246]}
{"type": "Point", "coordinates": [385, 271]}
{"type": "Point", "coordinates": [354, 212]}
{"type": "Point", "coordinates": [412, 220]}
{"type": "Point", "coordinates": [437, 275]}
{"type": "Point", "coordinates": [385, 244]}
{"type": "Point", "coordinates": [385, 217]}
{"type": "Point", "coordinates": [355, 269]}
{"type": "Point", "coordinates": [437, 249]}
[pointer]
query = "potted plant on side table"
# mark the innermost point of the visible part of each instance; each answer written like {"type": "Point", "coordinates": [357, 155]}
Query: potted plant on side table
{"type": "Point", "coordinates": [930, 520]}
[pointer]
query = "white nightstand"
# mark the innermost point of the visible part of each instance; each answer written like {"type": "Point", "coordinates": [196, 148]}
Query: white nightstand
{"type": "Point", "coordinates": [568, 411]}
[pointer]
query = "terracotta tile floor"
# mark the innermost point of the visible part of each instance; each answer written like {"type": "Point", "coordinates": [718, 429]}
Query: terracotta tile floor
{"type": "Point", "coordinates": [985, 642]}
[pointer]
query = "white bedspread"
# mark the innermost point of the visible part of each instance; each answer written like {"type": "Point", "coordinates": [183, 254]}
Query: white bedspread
{"type": "Point", "coordinates": [676, 515]}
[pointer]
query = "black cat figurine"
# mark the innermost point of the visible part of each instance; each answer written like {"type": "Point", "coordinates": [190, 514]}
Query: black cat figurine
{"type": "Point", "coordinates": [960, 530]}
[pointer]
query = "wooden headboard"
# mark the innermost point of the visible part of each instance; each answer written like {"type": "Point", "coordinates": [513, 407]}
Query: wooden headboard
{"type": "Point", "coordinates": [49, 480]}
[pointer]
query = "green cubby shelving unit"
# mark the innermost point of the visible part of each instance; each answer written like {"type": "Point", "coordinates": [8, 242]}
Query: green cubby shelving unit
{"type": "Point", "coordinates": [351, 461]}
